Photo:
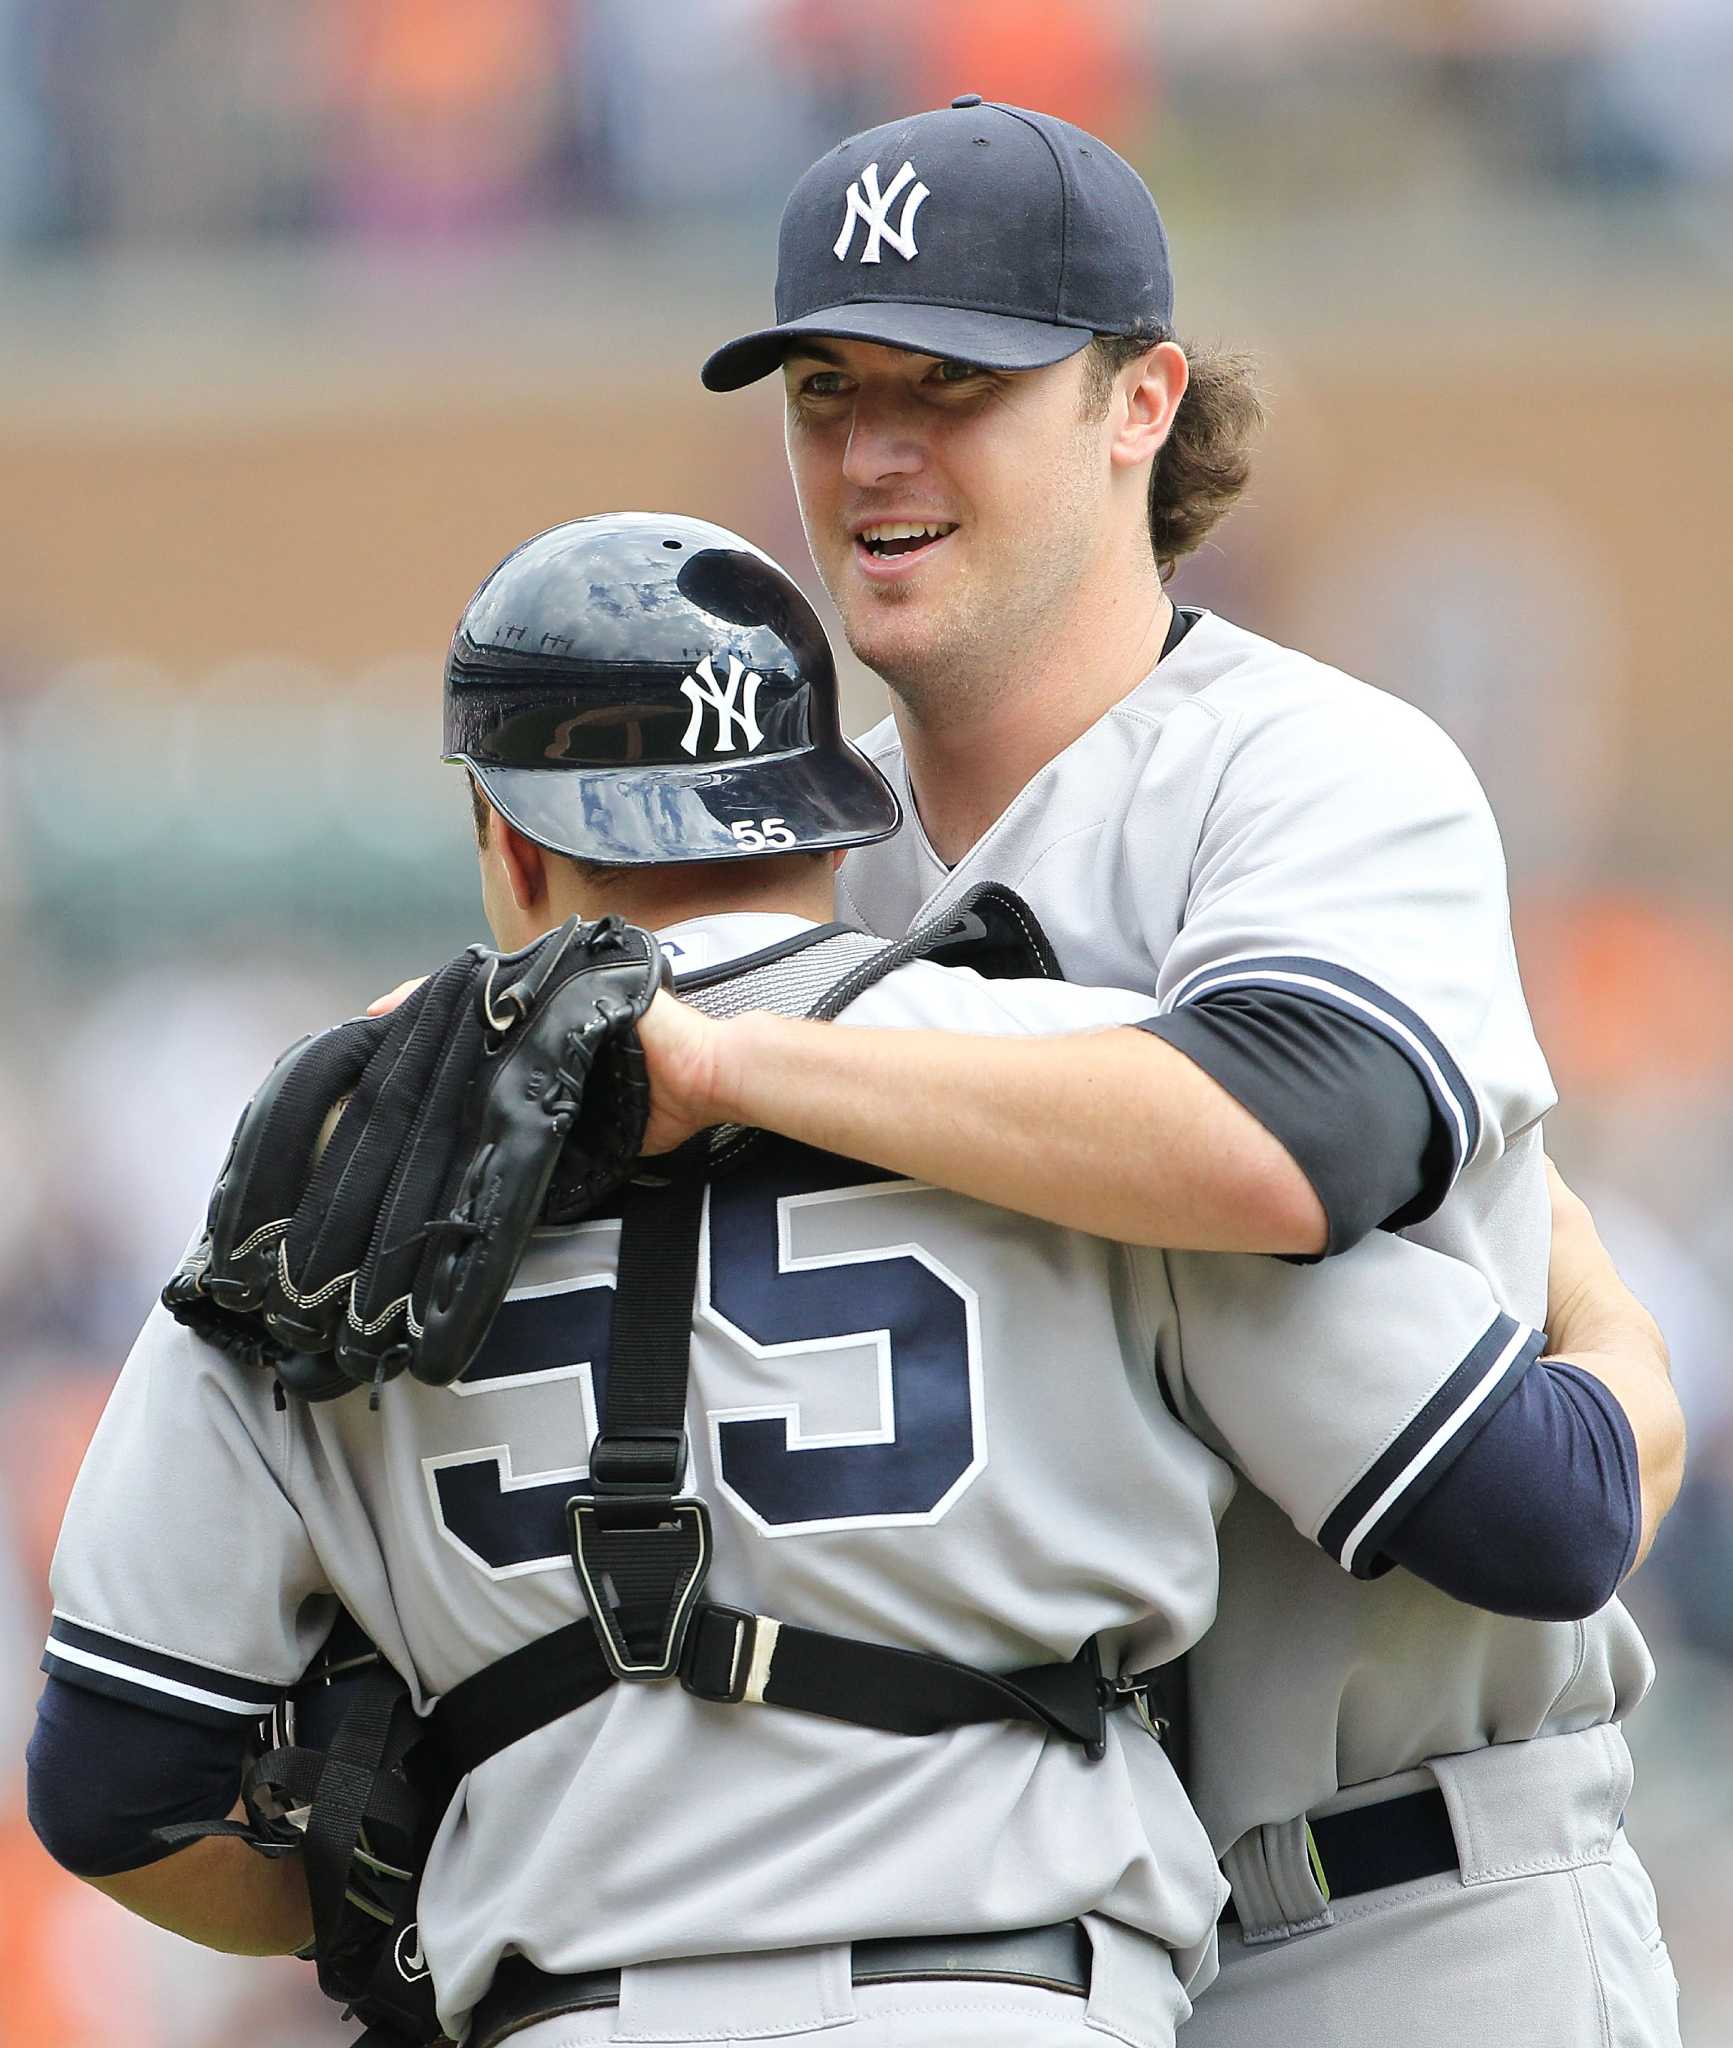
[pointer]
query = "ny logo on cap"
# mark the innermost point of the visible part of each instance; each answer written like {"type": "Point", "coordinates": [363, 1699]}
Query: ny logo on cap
{"type": "Point", "coordinates": [866, 202]}
{"type": "Point", "coordinates": [701, 690]}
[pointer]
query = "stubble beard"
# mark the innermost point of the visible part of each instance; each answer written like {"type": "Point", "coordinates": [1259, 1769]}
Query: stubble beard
{"type": "Point", "coordinates": [952, 662]}
{"type": "Point", "coordinates": [942, 663]}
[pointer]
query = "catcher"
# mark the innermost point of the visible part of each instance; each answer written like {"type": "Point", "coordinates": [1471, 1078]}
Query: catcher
{"type": "Point", "coordinates": [738, 1606]}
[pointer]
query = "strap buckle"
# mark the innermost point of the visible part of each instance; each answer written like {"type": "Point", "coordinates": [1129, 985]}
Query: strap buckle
{"type": "Point", "coordinates": [728, 1653]}
{"type": "Point", "coordinates": [641, 1561]}
{"type": "Point", "coordinates": [642, 1462]}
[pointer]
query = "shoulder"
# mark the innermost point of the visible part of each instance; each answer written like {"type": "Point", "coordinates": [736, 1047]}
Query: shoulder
{"type": "Point", "coordinates": [921, 995]}
{"type": "Point", "coordinates": [1271, 699]}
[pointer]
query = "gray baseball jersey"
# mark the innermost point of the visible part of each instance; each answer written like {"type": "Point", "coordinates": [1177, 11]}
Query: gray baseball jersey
{"type": "Point", "coordinates": [1249, 817]}
{"type": "Point", "coordinates": [920, 1420]}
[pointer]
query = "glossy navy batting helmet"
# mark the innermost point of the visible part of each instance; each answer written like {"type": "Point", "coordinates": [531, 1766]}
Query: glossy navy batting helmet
{"type": "Point", "coordinates": [637, 688]}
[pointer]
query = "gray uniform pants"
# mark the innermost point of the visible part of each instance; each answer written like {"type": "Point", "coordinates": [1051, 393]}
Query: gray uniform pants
{"type": "Point", "coordinates": [1548, 1938]}
{"type": "Point", "coordinates": [803, 1998]}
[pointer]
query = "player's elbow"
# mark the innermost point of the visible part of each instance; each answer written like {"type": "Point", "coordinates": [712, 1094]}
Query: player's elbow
{"type": "Point", "coordinates": [103, 1775]}
{"type": "Point", "coordinates": [68, 1820]}
{"type": "Point", "coordinates": [1570, 1570]}
{"type": "Point", "coordinates": [1541, 1515]}
{"type": "Point", "coordinates": [1558, 1564]}
{"type": "Point", "coordinates": [1279, 1211]}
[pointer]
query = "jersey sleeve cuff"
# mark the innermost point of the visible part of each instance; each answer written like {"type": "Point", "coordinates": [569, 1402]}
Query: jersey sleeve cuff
{"type": "Point", "coordinates": [1456, 1110]}
{"type": "Point", "coordinates": [1413, 1462]}
{"type": "Point", "coordinates": [99, 1662]}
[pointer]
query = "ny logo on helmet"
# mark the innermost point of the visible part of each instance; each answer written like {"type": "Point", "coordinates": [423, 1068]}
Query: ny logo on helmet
{"type": "Point", "coordinates": [867, 203]}
{"type": "Point", "coordinates": [703, 692]}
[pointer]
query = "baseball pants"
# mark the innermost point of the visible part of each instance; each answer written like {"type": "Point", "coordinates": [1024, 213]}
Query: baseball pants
{"type": "Point", "coordinates": [1546, 1938]}
{"type": "Point", "coordinates": [801, 1996]}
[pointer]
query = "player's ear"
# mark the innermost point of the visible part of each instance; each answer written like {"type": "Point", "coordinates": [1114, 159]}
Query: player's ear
{"type": "Point", "coordinates": [1150, 390]}
{"type": "Point", "coordinates": [523, 864]}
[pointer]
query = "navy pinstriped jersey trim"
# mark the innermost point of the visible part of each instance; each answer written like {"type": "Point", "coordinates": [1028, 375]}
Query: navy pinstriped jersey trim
{"type": "Point", "coordinates": [1423, 1451]}
{"type": "Point", "coordinates": [1353, 994]}
{"type": "Point", "coordinates": [151, 1678]}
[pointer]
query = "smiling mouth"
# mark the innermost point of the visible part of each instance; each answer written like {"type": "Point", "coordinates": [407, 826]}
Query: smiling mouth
{"type": "Point", "coordinates": [892, 538]}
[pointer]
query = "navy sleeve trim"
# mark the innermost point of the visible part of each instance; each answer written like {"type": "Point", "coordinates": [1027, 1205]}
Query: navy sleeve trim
{"type": "Point", "coordinates": [1542, 1514]}
{"type": "Point", "coordinates": [1323, 981]}
{"type": "Point", "coordinates": [99, 1662]}
{"type": "Point", "coordinates": [1345, 1103]}
{"type": "Point", "coordinates": [1412, 1463]}
{"type": "Point", "coordinates": [105, 1774]}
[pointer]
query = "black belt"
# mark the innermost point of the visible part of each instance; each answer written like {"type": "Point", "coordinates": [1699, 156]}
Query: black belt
{"type": "Point", "coordinates": [1367, 1848]}
{"type": "Point", "coordinates": [1052, 1958]}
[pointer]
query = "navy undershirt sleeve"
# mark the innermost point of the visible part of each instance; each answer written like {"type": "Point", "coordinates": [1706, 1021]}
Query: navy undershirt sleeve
{"type": "Point", "coordinates": [1541, 1514]}
{"type": "Point", "coordinates": [103, 1773]}
{"type": "Point", "coordinates": [1350, 1109]}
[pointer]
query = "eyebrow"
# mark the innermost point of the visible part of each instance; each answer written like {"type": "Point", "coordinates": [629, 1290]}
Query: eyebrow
{"type": "Point", "coordinates": [812, 351]}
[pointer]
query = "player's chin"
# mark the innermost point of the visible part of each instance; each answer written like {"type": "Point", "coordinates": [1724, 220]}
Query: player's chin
{"type": "Point", "coordinates": [886, 631]}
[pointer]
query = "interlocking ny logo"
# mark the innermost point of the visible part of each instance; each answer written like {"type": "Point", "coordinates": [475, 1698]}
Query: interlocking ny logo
{"type": "Point", "coordinates": [866, 202]}
{"type": "Point", "coordinates": [701, 690]}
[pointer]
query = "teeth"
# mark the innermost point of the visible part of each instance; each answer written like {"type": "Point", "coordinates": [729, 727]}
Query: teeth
{"type": "Point", "coordinates": [897, 529]}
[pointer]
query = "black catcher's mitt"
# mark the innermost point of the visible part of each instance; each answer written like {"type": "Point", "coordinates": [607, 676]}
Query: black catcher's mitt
{"type": "Point", "coordinates": [384, 1180]}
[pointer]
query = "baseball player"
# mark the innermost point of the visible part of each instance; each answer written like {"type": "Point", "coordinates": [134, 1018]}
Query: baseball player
{"type": "Point", "coordinates": [999, 450]}
{"type": "Point", "coordinates": [921, 1424]}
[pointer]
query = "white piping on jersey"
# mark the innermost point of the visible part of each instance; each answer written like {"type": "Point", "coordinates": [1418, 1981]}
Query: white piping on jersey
{"type": "Point", "coordinates": [71, 1654]}
{"type": "Point", "coordinates": [1434, 1443]}
{"type": "Point", "coordinates": [787, 1411]}
{"type": "Point", "coordinates": [509, 1480]}
{"type": "Point", "coordinates": [1228, 978]}
{"type": "Point", "coordinates": [541, 1375]}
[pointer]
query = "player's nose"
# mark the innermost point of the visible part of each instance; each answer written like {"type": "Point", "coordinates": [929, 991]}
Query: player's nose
{"type": "Point", "coordinates": [882, 441]}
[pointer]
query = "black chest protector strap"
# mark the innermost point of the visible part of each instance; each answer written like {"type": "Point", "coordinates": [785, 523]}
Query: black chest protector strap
{"type": "Point", "coordinates": [733, 1658]}
{"type": "Point", "coordinates": [640, 1542]}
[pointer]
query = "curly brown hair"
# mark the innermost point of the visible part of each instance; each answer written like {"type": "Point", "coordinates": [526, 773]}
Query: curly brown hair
{"type": "Point", "coordinates": [1203, 466]}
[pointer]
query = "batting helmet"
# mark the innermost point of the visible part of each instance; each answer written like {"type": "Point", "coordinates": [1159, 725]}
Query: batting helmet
{"type": "Point", "coordinates": [637, 688]}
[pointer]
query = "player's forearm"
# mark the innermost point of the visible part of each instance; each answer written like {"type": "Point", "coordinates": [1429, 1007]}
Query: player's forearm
{"type": "Point", "coordinates": [1617, 1342]}
{"type": "Point", "coordinates": [221, 1894]}
{"type": "Point", "coordinates": [1111, 1132]}
{"type": "Point", "coordinates": [1596, 1323]}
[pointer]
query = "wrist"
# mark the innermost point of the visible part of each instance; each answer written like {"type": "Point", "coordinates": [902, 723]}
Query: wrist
{"type": "Point", "coordinates": [739, 1053]}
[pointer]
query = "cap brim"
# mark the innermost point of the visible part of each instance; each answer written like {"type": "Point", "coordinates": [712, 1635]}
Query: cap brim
{"type": "Point", "coordinates": [643, 817]}
{"type": "Point", "coordinates": [996, 341]}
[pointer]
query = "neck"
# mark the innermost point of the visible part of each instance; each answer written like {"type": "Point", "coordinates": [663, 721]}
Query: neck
{"type": "Point", "coordinates": [965, 768]}
{"type": "Point", "coordinates": [657, 897]}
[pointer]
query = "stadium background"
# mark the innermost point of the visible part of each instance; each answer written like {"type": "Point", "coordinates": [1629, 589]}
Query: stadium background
{"type": "Point", "coordinates": [308, 314]}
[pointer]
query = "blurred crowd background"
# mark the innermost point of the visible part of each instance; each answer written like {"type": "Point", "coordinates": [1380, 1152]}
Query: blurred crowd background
{"type": "Point", "coordinates": [308, 314]}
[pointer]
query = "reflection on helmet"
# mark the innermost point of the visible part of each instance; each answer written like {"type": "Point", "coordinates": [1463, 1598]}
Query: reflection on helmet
{"type": "Point", "coordinates": [629, 688]}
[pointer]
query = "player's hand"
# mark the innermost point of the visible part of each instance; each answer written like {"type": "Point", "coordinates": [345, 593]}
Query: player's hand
{"type": "Point", "coordinates": [682, 1050]}
{"type": "Point", "coordinates": [680, 1054]}
{"type": "Point", "coordinates": [382, 1006]}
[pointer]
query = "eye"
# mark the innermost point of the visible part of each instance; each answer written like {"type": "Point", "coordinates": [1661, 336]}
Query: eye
{"type": "Point", "coordinates": [951, 371]}
{"type": "Point", "coordinates": [823, 384]}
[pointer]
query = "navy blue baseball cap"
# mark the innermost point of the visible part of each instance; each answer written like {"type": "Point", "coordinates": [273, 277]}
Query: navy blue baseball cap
{"type": "Point", "coordinates": [981, 232]}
